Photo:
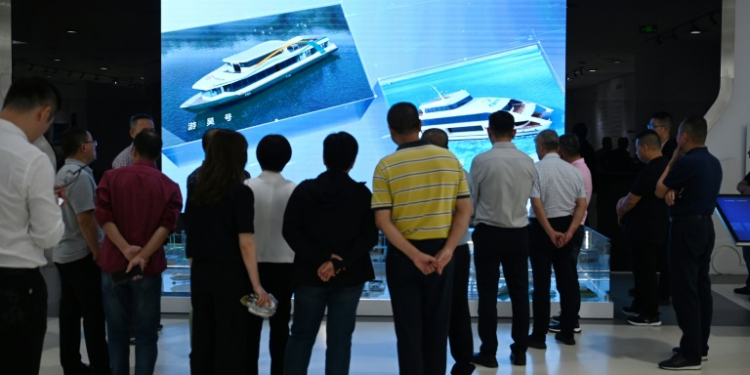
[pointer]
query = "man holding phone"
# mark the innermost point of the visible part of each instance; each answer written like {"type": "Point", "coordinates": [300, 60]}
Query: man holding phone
{"type": "Point", "coordinates": [137, 206]}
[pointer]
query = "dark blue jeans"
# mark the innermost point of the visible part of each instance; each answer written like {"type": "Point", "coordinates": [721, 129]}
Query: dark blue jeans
{"type": "Point", "coordinates": [142, 300]}
{"type": "Point", "coordinates": [691, 244]}
{"type": "Point", "coordinates": [309, 306]}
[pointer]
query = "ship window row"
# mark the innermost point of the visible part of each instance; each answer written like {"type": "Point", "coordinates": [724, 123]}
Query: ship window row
{"type": "Point", "coordinates": [450, 106]}
{"type": "Point", "coordinates": [456, 119]}
{"type": "Point", "coordinates": [236, 86]}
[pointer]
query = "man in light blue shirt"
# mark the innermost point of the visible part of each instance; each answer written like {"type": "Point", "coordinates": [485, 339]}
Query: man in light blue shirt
{"type": "Point", "coordinates": [75, 257]}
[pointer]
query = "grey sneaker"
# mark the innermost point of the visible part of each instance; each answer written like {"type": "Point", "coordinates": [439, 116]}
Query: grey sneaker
{"type": "Point", "coordinates": [266, 311]}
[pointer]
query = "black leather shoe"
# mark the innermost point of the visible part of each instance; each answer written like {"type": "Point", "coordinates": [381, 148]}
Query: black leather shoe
{"type": "Point", "coordinates": [518, 358]}
{"type": "Point", "coordinates": [678, 362]}
{"type": "Point", "coordinates": [484, 360]}
{"type": "Point", "coordinates": [567, 340]}
{"type": "Point", "coordinates": [462, 369]}
{"type": "Point", "coordinates": [537, 343]}
{"type": "Point", "coordinates": [744, 290]}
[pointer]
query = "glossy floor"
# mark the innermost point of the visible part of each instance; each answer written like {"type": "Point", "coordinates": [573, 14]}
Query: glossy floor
{"type": "Point", "coordinates": [603, 348]}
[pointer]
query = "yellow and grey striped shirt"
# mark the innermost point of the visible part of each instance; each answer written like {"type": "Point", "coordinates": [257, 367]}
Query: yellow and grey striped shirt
{"type": "Point", "coordinates": [420, 184]}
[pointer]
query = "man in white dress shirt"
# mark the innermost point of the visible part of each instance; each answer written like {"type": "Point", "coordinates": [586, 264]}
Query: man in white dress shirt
{"type": "Point", "coordinates": [31, 222]}
{"type": "Point", "coordinates": [275, 257]}
{"type": "Point", "coordinates": [138, 123]}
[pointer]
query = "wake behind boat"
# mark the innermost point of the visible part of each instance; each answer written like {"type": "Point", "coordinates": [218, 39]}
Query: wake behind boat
{"type": "Point", "coordinates": [260, 67]}
{"type": "Point", "coordinates": [464, 117]}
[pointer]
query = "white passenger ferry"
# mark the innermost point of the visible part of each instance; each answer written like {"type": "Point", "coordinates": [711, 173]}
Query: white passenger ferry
{"type": "Point", "coordinates": [251, 71]}
{"type": "Point", "coordinates": [464, 117]}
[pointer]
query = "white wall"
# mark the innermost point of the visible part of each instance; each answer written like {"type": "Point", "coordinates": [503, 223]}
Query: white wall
{"type": "Point", "coordinates": [728, 122]}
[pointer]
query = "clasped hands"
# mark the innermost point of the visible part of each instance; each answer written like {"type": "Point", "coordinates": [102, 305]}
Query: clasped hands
{"type": "Point", "coordinates": [132, 253]}
{"type": "Point", "coordinates": [429, 264]}
{"type": "Point", "coordinates": [560, 239]}
{"type": "Point", "coordinates": [326, 270]}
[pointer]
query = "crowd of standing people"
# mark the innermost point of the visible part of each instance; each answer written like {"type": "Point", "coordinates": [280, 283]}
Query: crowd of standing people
{"type": "Point", "coordinates": [271, 238]}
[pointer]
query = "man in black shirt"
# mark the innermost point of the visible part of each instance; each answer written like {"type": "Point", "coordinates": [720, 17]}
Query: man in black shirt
{"type": "Point", "coordinates": [661, 123]}
{"type": "Point", "coordinates": [645, 223]}
{"type": "Point", "coordinates": [690, 184]}
{"type": "Point", "coordinates": [743, 187]}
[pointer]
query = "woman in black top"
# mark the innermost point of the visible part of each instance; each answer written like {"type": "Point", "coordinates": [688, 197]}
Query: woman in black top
{"type": "Point", "coordinates": [329, 225]}
{"type": "Point", "coordinates": [219, 225]}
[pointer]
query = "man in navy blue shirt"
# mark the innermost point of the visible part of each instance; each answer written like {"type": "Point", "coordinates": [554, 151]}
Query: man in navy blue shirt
{"type": "Point", "coordinates": [690, 184]}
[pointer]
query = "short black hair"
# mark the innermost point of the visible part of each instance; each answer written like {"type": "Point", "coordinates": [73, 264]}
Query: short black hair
{"type": "Point", "coordinates": [339, 151]}
{"type": "Point", "coordinates": [72, 139]}
{"type": "Point", "coordinates": [141, 116]}
{"type": "Point", "coordinates": [696, 128]}
{"type": "Point", "coordinates": [664, 117]}
{"type": "Point", "coordinates": [581, 130]}
{"type": "Point", "coordinates": [570, 145]}
{"type": "Point", "coordinates": [437, 137]}
{"type": "Point", "coordinates": [403, 118]}
{"type": "Point", "coordinates": [548, 139]}
{"type": "Point", "coordinates": [26, 94]}
{"type": "Point", "coordinates": [623, 142]}
{"type": "Point", "coordinates": [148, 144]}
{"type": "Point", "coordinates": [649, 138]}
{"type": "Point", "coordinates": [273, 152]}
{"type": "Point", "coordinates": [502, 123]}
{"type": "Point", "coordinates": [207, 138]}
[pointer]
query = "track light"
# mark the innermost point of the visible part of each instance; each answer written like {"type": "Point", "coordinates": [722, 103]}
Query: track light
{"type": "Point", "coordinates": [695, 30]}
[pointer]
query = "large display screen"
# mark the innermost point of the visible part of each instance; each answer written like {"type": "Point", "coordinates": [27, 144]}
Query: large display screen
{"type": "Point", "coordinates": [305, 69]}
{"type": "Point", "coordinates": [734, 211]}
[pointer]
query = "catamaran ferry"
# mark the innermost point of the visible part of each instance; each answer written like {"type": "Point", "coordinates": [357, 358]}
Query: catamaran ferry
{"type": "Point", "coordinates": [251, 71]}
{"type": "Point", "coordinates": [464, 117]}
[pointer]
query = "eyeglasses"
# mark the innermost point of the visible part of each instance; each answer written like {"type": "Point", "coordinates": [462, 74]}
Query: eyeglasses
{"type": "Point", "coordinates": [94, 142]}
{"type": "Point", "coordinates": [652, 127]}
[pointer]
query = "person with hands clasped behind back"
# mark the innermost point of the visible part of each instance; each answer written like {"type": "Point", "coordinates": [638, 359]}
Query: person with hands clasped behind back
{"type": "Point", "coordinates": [329, 225]}
{"type": "Point", "coordinates": [422, 204]}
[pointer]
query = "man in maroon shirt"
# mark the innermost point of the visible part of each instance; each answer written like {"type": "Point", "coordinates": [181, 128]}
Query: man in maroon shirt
{"type": "Point", "coordinates": [137, 206]}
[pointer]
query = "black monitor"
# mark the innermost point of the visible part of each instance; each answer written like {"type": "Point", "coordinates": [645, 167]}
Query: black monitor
{"type": "Point", "coordinates": [734, 211]}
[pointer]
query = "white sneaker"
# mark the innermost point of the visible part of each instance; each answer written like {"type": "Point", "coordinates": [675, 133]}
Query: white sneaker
{"type": "Point", "coordinates": [266, 311]}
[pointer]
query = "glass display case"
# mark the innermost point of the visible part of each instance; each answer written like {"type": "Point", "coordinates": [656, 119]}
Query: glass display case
{"type": "Point", "coordinates": [593, 277]}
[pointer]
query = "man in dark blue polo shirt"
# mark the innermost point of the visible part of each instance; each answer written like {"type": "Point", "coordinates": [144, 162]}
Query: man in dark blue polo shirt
{"type": "Point", "coordinates": [690, 184]}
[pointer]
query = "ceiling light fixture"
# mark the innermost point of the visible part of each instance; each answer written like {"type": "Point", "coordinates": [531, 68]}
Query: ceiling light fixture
{"type": "Point", "coordinates": [103, 68]}
{"type": "Point", "coordinates": [616, 61]}
{"type": "Point", "coordinates": [592, 70]}
{"type": "Point", "coordinates": [57, 60]}
{"type": "Point", "coordinates": [71, 31]}
{"type": "Point", "coordinates": [695, 30]}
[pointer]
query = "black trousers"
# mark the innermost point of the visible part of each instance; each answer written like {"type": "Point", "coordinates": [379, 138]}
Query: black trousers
{"type": "Point", "coordinates": [81, 298]}
{"type": "Point", "coordinates": [691, 245]}
{"type": "Point", "coordinates": [223, 330]}
{"type": "Point", "coordinates": [665, 288]}
{"type": "Point", "coordinates": [544, 256]}
{"type": "Point", "coordinates": [277, 279]}
{"type": "Point", "coordinates": [460, 337]}
{"type": "Point", "coordinates": [510, 247]}
{"type": "Point", "coordinates": [23, 320]}
{"type": "Point", "coordinates": [421, 310]}
{"type": "Point", "coordinates": [645, 260]}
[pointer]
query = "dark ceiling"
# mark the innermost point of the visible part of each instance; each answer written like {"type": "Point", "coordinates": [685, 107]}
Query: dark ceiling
{"type": "Point", "coordinates": [123, 37]}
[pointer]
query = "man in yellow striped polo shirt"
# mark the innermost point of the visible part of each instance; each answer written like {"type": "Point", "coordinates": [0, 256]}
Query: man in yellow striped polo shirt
{"type": "Point", "coordinates": [421, 203]}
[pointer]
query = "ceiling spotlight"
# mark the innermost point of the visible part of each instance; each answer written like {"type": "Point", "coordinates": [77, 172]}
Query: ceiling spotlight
{"type": "Point", "coordinates": [71, 31]}
{"type": "Point", "coordinates": [103, 68]}
{"type": "Point", "coordinates": [142, 78]}
{"type": "Point", "coordinates": [57, 60]}
{"type": "Point", "coordinates": [49, 76]}
{"type": "Point", "coordinates": [570, 79]}
{"type": "Point", "coordinates": [592, 70]}
{"type": "Point", "coordinates": [115, 82]}
{"type": "Point", "coordinates": [695, 30]}
{"type": "Point", "coordinates": [616, 61]}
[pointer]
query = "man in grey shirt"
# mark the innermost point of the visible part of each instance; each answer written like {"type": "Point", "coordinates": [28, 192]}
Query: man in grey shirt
{"type": "Point", "coordinates": [558, 200]}
{"type": "Point", "coordinates": [460, 339]}
{"type": "Point", "coordinates": [138, 123]}
{"type": "Point", "coordinates": [75, 256]}
{"type": "Point", "coordinates": [503, 178]}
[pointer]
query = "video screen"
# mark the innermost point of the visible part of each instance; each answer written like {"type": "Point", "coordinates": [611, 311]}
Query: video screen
{"type": "Point", "coordinates": [735, 213]}
{"type": "Point", "coordinates": [305, 69]}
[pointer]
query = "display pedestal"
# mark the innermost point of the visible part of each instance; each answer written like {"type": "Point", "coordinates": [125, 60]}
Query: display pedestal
{"type": "Point", "coordinates": [593, 277]}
